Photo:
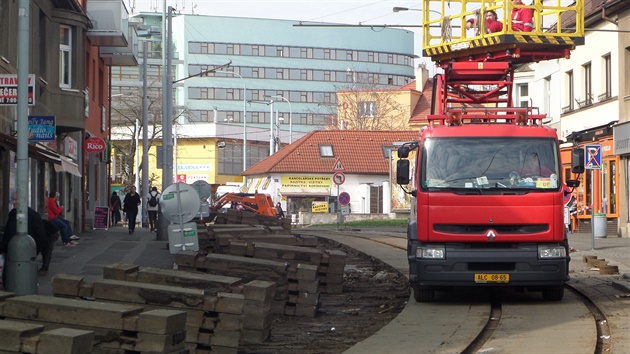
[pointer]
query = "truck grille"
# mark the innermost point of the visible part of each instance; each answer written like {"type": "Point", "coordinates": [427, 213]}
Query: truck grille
{"type": "Point", "coordinates": [483, 229]}
{"type": "Point", "coordinates": [481, 267]}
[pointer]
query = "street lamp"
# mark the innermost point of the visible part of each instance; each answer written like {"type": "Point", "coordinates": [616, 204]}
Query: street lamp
{"type": "Point", "coordinates": [244, 118]}
{"type": "Point", "coordinates": [401, 9]}
{"type": "Point", "coordinates": [290, 117]}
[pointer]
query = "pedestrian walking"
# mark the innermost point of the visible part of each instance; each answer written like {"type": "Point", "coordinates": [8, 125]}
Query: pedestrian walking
{"type": "Point", "coordinates": [153, 207]}
{"type": "Point", "coordinates": [130, 207]}
{"type": "Point", "coordinates": [279, 211]}
{"type": "Point", "coordinates": [114, 205]}
{"type": "Point", "coordinates": [54, 215]}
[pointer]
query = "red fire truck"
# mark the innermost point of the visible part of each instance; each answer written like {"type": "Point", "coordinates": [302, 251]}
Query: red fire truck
{"type": "Point", "coordinates": [486, 180]}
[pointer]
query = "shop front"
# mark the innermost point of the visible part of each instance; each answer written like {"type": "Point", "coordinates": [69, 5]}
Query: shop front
{"type": "Point", "coordinates": [621, 144]}
{"type": "Point", "coordinates": [599, 188]}
{"type": "Point", "coordinates": [46, 169]}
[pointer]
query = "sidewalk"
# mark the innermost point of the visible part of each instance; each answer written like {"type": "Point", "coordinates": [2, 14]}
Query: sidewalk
{"type": "Point", "coordinates": [99, 248]}
{"type": "Point", "coordinates": [616, 250]}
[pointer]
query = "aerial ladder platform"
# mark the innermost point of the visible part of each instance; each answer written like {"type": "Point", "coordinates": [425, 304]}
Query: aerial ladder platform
{"type": "Point", "coordinates": [478, 65]}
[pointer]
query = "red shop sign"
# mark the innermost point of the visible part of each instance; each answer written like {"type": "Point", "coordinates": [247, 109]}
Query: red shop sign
{"type": "Point", "coordinates": [94, 144]}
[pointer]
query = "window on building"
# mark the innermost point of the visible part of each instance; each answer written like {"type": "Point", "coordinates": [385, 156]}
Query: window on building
{"type": "Point", "coordinates": [569, 90]}
{"type": "Point", "coordinates": [326, 151]}
{"type": "Point", "coordinates": [367, 109]}
{"type": "Point", "coordinates": [523, 95]}
{"type": "Point", "coordinates": [607, 68]}
{"type": "Point", "coordinates": [65, 57]}
{"type": "Point", "coordinates": [547, 96]}
{"type": "Point", "coordinates": [588, 87]}
{"type": "Point", "coordinates": [220, 48]}
{"type": "Point", "coordinates": [246, 49]}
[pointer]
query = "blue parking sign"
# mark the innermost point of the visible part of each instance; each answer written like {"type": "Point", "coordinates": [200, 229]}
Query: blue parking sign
{"type": "Point", "coordinates": [593, 157]}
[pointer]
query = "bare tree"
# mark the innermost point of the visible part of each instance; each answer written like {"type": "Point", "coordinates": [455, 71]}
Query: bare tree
{"type": "Point", "coordinates": [127, 118]}
{"type": "Point", "coordinates": [363, 105]}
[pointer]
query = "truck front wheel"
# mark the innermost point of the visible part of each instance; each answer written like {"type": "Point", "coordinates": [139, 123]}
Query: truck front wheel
{"type": "Point", "coordinates": [553, 293]}
{"type": "Point", "coordinates": [423, 295]}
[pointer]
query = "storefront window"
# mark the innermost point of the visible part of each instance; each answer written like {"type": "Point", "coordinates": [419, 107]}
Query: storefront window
{"type": "Point", "coordinates": [612, 183]}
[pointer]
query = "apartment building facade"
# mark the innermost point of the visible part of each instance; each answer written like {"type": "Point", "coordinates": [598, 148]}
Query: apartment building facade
{"type": "Point", "coordinates": [259, 84]}
{"type": "Point", "coordinates": [585, 98]}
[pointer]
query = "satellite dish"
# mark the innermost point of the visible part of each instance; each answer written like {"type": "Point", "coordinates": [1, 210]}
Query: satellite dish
{"type": "Point", "coordinates": [179, 202]}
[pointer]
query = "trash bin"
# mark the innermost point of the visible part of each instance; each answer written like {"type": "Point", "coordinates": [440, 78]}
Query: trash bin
{"type": "Point", "coordinates": [599, 225]}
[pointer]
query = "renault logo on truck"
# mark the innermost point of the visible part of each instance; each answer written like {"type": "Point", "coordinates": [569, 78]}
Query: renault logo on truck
{"type": "Point", "coordinates": [491, 236]}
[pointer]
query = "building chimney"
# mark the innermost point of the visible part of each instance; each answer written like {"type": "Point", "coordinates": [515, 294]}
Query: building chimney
{"type": "Point", "coordinates": [422, 75]}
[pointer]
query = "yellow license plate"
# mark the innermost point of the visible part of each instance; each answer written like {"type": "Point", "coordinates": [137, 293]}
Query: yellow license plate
{"type": "Point", "coordinates": [492, 278]}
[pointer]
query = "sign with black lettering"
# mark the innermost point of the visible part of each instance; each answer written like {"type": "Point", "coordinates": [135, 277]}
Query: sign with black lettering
{"type": "Point", "coordinates": [101, 218]}
{"type": "Point", "coordinates": [8, 90]}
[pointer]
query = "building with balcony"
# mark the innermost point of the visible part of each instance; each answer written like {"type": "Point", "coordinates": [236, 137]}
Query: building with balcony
{"type": "Point", "coordinates": [70, 45]}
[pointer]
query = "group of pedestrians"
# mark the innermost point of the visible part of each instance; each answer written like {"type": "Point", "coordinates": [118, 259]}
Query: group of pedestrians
{"type": "Point", "coordinates": [45, 232]}
{"type": "Point", "coordinates": [130, 206]}
{"type": "Point", "coordinates": [522, 19]}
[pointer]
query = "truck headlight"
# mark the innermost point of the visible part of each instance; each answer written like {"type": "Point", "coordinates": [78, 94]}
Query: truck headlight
{"type": "Point", "coordinates": [431, 252]}
{"type": "Point", "coordinates": [551, 251]}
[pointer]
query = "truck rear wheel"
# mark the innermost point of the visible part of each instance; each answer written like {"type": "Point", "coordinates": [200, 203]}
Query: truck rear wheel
{"type": "Point", "coordinates": [423, 295]}
{"type": "Point", "coordinates": [554, 293]}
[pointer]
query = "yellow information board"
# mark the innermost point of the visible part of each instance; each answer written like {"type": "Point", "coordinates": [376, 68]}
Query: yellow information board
{"type": "Point", "coordinates": [319, 207]}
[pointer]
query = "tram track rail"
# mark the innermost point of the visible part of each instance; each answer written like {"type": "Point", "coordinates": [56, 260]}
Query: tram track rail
{"type": "Point", "coordinates": [602, 325]}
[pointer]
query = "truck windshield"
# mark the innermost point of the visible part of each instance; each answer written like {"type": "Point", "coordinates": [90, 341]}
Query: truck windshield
{"type": "Point", "coordinates": [487, 163]}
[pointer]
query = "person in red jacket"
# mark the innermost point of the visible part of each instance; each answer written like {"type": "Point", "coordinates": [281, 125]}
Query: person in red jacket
{"type": "Point", "coordinates": [522, 19]}
{"type": "Point", "coordinates": [492, 24]}
{"type": "Point", "coordinates": [54, 216]}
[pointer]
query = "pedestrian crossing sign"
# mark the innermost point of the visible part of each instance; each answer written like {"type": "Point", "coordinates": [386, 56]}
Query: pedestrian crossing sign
{"type": "Point", "coordinates": [338, 166]}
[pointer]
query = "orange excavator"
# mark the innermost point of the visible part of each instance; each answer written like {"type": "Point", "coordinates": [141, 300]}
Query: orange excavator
{"type": "Point", "coordinates": [256, 203]}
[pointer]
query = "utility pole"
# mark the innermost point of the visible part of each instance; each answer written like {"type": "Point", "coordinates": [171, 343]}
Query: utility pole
{"type": "Point", "coordinates": [167, 123]}
{"type": "Point", "coordinates": [21, 272]}
{"type": "Point", "coordinates": [272, 148]}
{"type": "Point", "coordinates": [145, 132]}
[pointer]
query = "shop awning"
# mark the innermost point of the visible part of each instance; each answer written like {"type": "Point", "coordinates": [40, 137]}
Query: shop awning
{"type": "Point", "coordinates": [62, 163]}
{"type": "Point", "coordinates": [304, 192]}
{"type": "Point", "coordinates": [34, 151]}
{"type": "Point", "coordinates": [67, 165]}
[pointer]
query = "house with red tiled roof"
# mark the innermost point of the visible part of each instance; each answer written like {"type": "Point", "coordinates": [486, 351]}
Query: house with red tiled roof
{"type": "Point", "coordinates": [301, 174]}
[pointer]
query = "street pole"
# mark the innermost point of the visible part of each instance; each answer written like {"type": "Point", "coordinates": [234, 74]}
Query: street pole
{"type": "Point", "coordinates": [167, 123]}
{"type": "Point", "coordinates": [145, 134]}
{"type": "Point", "coordinates": [21, 272]}
{"type": "Point", "coordinates": [290, 116]}
{"type": "Point", "coordinates": [271, 140]}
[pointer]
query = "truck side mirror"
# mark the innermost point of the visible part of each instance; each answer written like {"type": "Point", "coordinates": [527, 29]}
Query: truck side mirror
{"type": "Point", "coordinates": [403, 152]}
{"type": "Point", "coordinates": [577, 160]}
{"type": "Point", "coordinates": [402, 171]}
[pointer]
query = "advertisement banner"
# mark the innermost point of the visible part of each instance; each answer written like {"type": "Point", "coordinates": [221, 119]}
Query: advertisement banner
{"type": "Point", "coordinates": [41, 128]}
{"type": "Point", "coordinates": [319, 207]}
{"type": "Point", "coordinates": [306, 181]}
{"type": "Point", "coordinates": [8, 90]}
